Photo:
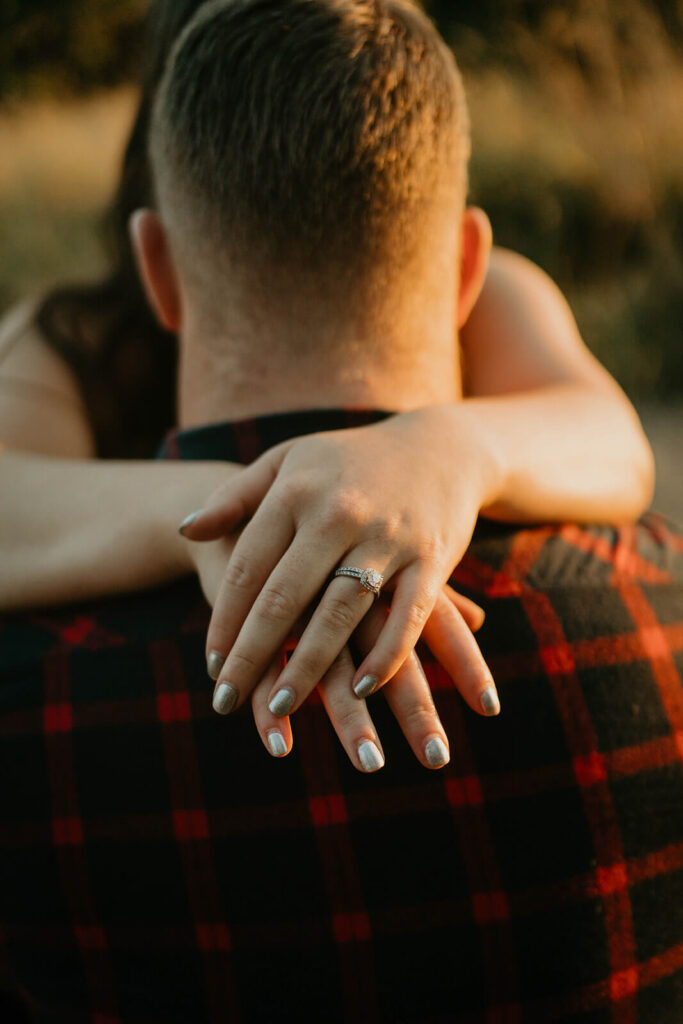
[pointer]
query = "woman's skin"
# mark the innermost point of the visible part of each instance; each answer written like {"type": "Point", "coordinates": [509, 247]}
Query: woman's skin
{"type": "Point", "coordinates": [546, 434]}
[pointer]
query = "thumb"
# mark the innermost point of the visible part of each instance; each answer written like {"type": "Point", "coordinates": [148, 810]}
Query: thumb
{"type": "Point", "coordinates": [235, 500]}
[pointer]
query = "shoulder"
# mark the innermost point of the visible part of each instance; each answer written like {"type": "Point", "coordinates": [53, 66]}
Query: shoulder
{"type": "Point", "coordinates": [561, 598]}
{"type": "Point", "coordinates": [506, 559]}
{"type": "Point", "coordinates": [41, 407]}
{"type": "Point", "coordinates": [26, 355]}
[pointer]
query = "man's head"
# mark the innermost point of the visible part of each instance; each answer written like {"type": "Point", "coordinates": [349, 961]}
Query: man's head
{"type": "Point", "coordinates": [310, 162]}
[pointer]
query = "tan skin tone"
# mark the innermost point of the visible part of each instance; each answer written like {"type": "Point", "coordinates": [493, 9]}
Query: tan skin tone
{"type": "Point", "coordinates": [120, 520]}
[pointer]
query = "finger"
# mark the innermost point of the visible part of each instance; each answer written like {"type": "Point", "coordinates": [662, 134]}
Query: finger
{"type": "Point", "coordinates": [350, 717]}
{"type": "Point", "coordinates": [236, 500]}
{"type": "Point", "coordinates": [341, 608]}
{"type": "Point", "coordinates": [285, 595]}
{"type": "Point", "coordinates": [261, 546]}
{"type": "Point", "coordinates": [409, 696]}
{"type": "Point", "coordinates": [472, 613]}
{"type": "Point", "coordinates": [452, 643]}
{"type": "Point", "coordinates": [416, 593]}
{"type": "Point", "coordinates": [276, 733]}
{"type": "Point", "coordinates": [456, 649]}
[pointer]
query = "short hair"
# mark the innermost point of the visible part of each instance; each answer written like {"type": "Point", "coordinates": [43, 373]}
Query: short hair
{"type": "Point", "coordinates": [312, 133]}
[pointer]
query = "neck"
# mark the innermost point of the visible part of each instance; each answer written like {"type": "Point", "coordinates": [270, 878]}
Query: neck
{"type": "Point", "coordinates": [293, 339]}
{"type": "Point", "coordinates": [221, 379]}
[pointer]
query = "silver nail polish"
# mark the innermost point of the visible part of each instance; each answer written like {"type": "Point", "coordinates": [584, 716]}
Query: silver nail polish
{"type": "Point", "coordinates": [189, 520]}
{"type": "Point", "coordinates": [366, 686]}
{"type": "Point", "coordinates": [214, 664]}
{"type": "Point", "coordinates": [490, 702]}
{"type": "Point", "coordinates": [224, 699]}
{"type": "Point", "coordinates": [276, 743]}
{"type": "Point", "coordinates": [283, 702]}
{"type": "Point", "coordinates": [436, 753]}
{"type": "Point", "coordinates": [370, 757]}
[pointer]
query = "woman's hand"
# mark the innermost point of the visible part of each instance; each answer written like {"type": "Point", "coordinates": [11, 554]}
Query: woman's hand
{"type": "Point", "coordinates": [409, 695]}
{"type": "Point", "coordinates": [316, 505]}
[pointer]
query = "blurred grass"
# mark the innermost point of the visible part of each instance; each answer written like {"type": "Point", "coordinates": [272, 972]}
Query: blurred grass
{"type": "Point", "coordinates": [578, 159]}
{"type": "Point", "coordinates": [60, 163]}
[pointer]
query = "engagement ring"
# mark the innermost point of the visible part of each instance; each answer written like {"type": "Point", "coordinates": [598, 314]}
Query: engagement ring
{"type": "Point", "coordinates": [369, 578]}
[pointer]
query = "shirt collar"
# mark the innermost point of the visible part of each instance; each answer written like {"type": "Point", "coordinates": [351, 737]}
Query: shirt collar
{"type": "Point", "coordinates": [244, 440]}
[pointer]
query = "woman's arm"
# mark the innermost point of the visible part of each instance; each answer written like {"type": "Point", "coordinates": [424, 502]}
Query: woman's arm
{"type": "Point", "coordinates": [73, 527]}
{"type": "Point", "coordinates": [558, 439]}
{"type": "Point", "coordinates": [569, 443]}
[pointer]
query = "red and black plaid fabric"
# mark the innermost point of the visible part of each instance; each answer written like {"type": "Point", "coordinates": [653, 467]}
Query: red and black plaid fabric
{"type": "Point", "coordinates": [157, 866]}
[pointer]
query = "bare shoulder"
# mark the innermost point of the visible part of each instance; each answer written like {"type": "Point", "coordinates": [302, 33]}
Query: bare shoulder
{"type": "Point", "coordinates": [41, 408]}
{"type": "Point", "coordinates": [510, 273]}
{"type": "Point", "coordinates": [522, 334]}
{"type": "Point", "coordinates": [26, 355]}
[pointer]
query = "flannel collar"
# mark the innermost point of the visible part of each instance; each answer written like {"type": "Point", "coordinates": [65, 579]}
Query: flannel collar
{"type": "Point", "coordinates": [244, 440]}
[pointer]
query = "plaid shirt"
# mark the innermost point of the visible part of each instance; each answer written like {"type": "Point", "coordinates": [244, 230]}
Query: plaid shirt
{"type": "Point", "coordinates": [157, 866]}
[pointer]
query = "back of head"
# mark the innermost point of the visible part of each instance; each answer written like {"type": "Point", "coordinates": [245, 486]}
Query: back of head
{"type": "Point", "coordinates": [307, 142]}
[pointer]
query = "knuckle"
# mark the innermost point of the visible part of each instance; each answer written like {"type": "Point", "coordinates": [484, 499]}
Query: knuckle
{"type": "Point", "coordinates": [416, 615]}
{"type": "Point", "coordinates": [432, 550]}
{"type": "Point", "coordinates": [418, 717]}
{"type": "Point", "coordinates": [337, 615]}
{"type": "Point", "coordinates": [346, 508]}
{"type": "Point", "coordinates": [294, 491]}
{"type": "Point", "coordinates": [347, 718]}
{"type": "Point", "coordinates": [309, 665]}
{"type": "Point", "coordinates": [239, 573]}
{"type": "Point", "coordinates": [399, 647]}
{"type": "Point", "coordinates": [388, 529]}
{"type": "Point", "coordinates": [276, 605]}
{"type": "Point", "coordinates": [241, 661]}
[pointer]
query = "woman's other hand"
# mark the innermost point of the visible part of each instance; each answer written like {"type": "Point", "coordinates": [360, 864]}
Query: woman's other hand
{"type": "Point", "coordinates": [449, 629]}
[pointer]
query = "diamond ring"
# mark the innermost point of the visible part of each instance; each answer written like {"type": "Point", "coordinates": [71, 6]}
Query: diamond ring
{"type": "Point", "coordinates": [369, 578]}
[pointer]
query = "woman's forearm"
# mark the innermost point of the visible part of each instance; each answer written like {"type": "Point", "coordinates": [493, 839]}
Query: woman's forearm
{"type": "Point", "coordinates": [75, 529]}
{"type": "Point", "coordinates": [565, 452]}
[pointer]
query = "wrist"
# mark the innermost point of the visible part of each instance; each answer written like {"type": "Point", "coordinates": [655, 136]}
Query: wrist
{"type": "Point", "coordinates": [185, 489]}
{"type": "Point", "coordinates": [476, 451]}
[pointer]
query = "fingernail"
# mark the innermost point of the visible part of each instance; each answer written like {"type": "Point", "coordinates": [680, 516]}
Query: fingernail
{"type": "Point", "coordinates": [370, 757]}
{"type": "Point", "coordinates": [189, 520]}
{"type": "Point", "coordinates": [214, 664]}
{"type": "Point", "coordinates": [283, 702]}
{"type": "Point", "coordinates": [490, 702]}
{"type": "Point", "coordinates": [224, 699]}
{"type": "Point", "coordinates": [366, 686]}
{"type": "Point", "coordinates": [276, 743]}
{"type": "Point", "coordinates": [436, 753]}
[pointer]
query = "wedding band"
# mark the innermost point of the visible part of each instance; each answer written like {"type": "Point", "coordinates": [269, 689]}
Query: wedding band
{"type": "Point", "coordinates": [369, 578]}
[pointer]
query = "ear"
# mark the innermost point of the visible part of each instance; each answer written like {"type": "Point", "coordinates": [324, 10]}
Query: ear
{"type": "Point", "coordinates": [476, 239]}
{"type": "Point", "coordinates": [156, 267]}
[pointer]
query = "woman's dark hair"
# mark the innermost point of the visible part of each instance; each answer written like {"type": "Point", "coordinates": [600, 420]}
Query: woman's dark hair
{"type": "Point", "coordinates": [124, 362]}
